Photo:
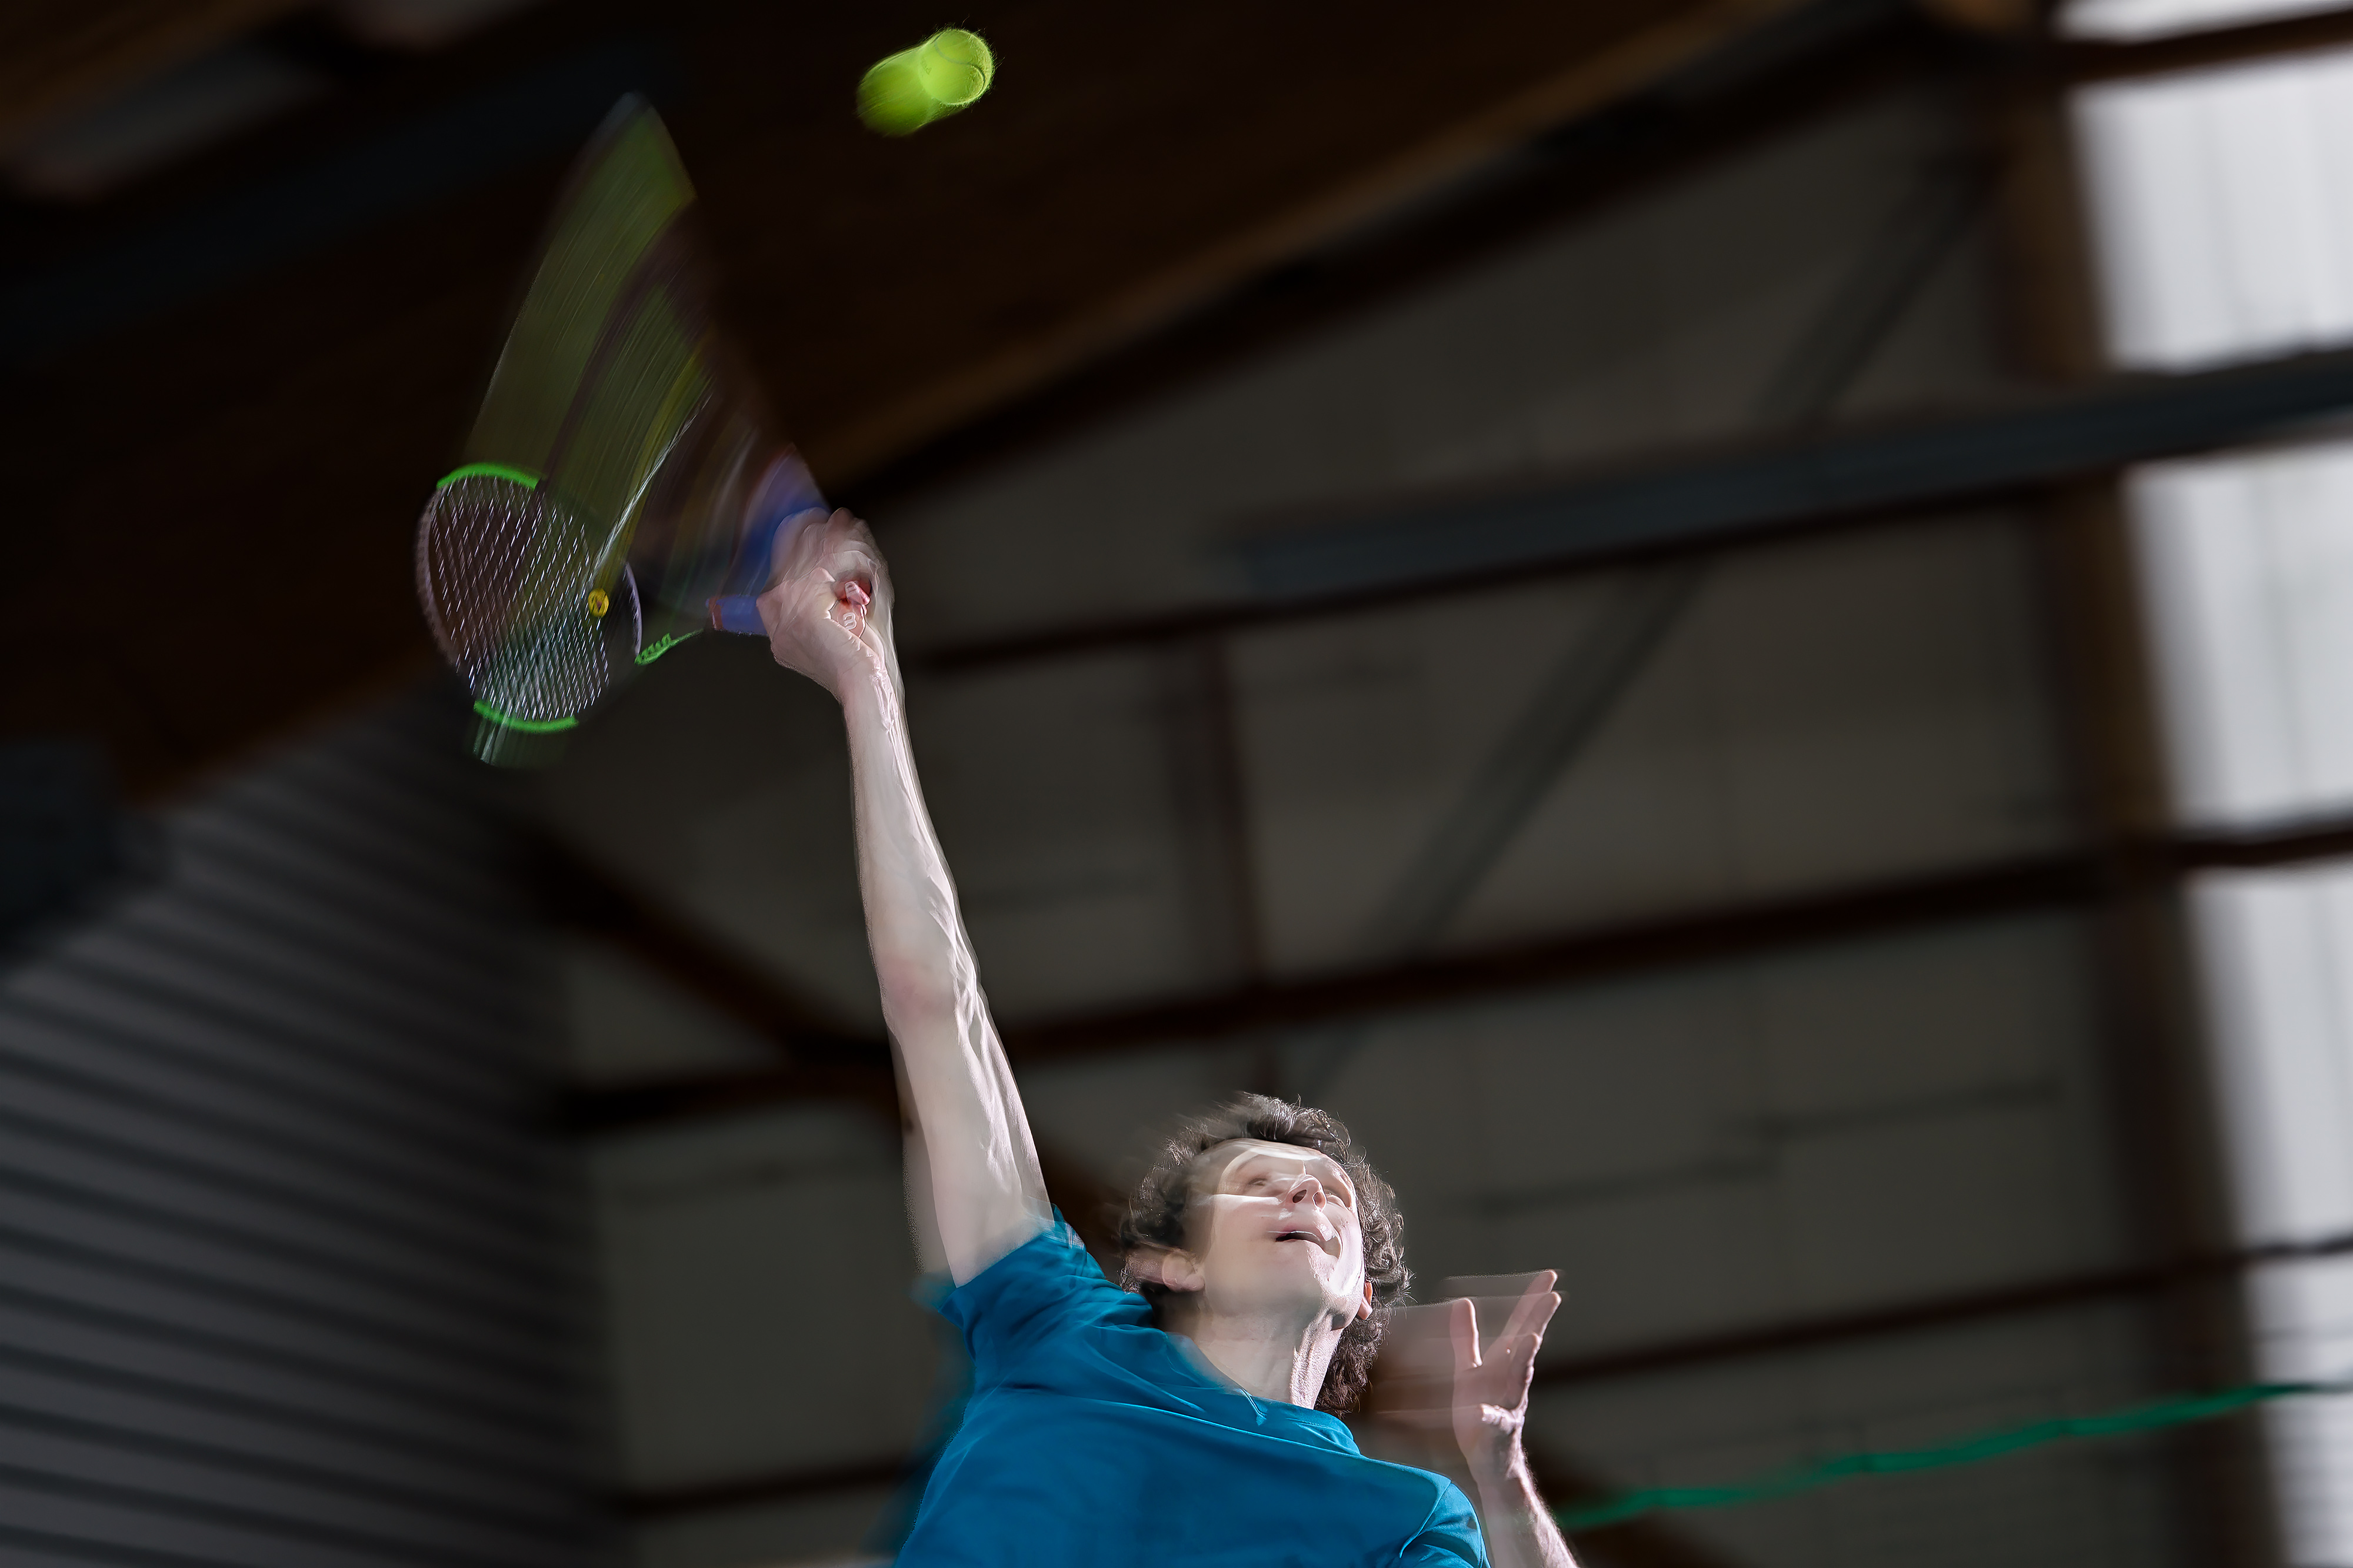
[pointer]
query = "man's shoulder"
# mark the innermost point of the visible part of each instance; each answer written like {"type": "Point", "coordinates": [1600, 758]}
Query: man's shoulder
{"type": "Point", "coordinates": [1450, 1534]}
{"type": "Point", "coordinates": [1050, 1282]}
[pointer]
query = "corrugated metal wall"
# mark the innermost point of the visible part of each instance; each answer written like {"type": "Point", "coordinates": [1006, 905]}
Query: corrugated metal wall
{"type": "Point", "coordinates": [288, 1259]}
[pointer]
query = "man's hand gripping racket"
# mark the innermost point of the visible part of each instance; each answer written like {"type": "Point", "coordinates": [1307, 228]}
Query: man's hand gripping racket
{"type": "Point", "coordinates": [828, 615]}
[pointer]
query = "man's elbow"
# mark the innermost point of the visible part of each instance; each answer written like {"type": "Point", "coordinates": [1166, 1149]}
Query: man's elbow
{"type": "Point", "coordinates": [916, 1005]}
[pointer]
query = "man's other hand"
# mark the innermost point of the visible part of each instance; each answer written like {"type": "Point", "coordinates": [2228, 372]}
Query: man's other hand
{"type": "Point", "coordinates": [1491, 1392]}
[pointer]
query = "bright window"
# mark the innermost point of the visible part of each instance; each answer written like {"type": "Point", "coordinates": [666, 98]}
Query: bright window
{"type": "Point", "coordinates": [2248, 563]}
{"type": "Point", "coordinates": [2276, 948]}
{"type": "Point", "coordinates": [2223, 206]}
{"type": "Point", "coordinates": [2151, 18]}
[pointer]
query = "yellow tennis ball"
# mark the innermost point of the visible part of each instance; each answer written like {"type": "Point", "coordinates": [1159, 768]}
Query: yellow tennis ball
{"type": "Point", "coordinates": [955, 66]}
{"type": "Point", "coordinates": [902, 93]}
{"type": "Point", "coordinates": [891, 98]}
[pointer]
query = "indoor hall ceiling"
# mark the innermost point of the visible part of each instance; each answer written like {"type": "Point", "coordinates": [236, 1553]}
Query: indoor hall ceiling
{"type": "Point", "coordinates": [1109, 859]}
{"type": "Point", "coordinates": [229, 383]}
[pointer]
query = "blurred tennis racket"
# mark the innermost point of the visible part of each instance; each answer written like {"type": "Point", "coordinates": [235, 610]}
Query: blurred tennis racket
{"type": "Point", "coordinates": [620, 489]}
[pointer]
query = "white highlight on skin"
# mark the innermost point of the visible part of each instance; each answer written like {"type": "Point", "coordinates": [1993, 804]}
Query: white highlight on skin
{"type": "Point", "coordinates": [1296, 1163]}
{"type": "Point", "coordinates": [1332, 1175]}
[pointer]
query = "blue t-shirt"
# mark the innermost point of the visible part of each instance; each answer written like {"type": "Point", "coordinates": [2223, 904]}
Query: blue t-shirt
{"type": "Point", "coordinates": [1093, 1439]}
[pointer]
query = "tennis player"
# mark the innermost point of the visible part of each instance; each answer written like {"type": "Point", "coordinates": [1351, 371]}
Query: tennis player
{"type": "Point", "coordinates": [1189, 1419]}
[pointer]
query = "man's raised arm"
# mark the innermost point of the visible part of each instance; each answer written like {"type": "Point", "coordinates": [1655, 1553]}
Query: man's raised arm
{"type": "Point", "coordinates": [830, 619]}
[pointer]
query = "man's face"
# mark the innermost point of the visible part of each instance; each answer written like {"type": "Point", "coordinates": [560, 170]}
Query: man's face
{"type": "Point", "coordinates": [1274, 1227]}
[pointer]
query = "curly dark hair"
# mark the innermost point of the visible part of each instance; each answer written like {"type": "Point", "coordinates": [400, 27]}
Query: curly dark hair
{"type": "Point", "coordinates": [1155, 1220]}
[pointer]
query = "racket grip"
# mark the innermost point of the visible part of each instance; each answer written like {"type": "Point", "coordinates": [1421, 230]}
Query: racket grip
{"type": "Point", "coordinates": [737, 613]}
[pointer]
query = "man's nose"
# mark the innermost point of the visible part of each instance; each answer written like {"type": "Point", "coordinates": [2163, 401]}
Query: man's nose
{"type": "Point", "coordinates": [1307, 1189]}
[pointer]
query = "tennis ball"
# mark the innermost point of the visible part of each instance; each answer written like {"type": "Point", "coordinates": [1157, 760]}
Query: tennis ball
{"type": "Point", "coordinates": [891, 98]}
{"type": "Point", "coordinates": [900, 94]}
{"type": "Point", "coordinates": [955, 66]}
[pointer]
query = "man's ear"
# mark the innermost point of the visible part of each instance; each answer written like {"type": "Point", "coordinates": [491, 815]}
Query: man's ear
{"type": "Point", "coordinates": [1367, 1310]}
{"type": "Point", "coordinates": [1171, 1268]}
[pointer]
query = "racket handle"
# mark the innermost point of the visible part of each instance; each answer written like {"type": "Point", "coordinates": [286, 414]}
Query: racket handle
{"type": "Point", "coordinates": [737, 613]}
{"type": "Point", "coordinates": [786, 501]}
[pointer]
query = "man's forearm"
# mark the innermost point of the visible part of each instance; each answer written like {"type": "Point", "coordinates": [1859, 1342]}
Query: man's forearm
{"type": "Point", "coordinates": [987, 1195]}
{"type": "Point", "coordinates": [1519, 1527]}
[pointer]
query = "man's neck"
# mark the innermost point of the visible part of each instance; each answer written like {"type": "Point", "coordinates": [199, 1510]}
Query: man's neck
{"type": "Point", "coordinates": [1280, 1360]}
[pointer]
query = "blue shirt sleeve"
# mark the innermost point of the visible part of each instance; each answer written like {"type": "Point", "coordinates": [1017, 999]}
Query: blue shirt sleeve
{"type": "Point", "coordinates": [1031, 1299]}
{"type": "Point", "coordinates": [1451, 1538]}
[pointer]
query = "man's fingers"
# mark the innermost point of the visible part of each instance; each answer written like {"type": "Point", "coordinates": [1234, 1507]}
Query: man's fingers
{"type": "Point", "coordinates": [1462, 1326]}
{"type": "Point", "coordinates": [1522, 1364]}
{"type": "Point", "coordinates": [850, 603]}
{"type": "Point", "coordinates": [1538, 1315]}
{"type": "Point", "coordinates": [834, 554]}
{"type": "Point", "coordinates": [852, 545]}
{"type": "Point", "coordinates": [838, 544]}
{"type": "Point", "coordinates": [1535, 1307]}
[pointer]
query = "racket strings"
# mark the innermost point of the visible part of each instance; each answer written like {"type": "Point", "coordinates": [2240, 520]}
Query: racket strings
{"type": "Point", "coordinates": [505, 573]}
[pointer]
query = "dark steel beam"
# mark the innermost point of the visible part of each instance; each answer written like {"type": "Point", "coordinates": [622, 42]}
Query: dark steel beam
{"type": "Point", "coordinates": [822, 1058]}
{"type": "Point", "coordinates": [1820, 1331]}
{"type": "Point", "coordinates": [2090, 60]}
{"type": "Point", "coordinates": [1716, 500]}
{"type": "Point", "coordinates": [1732, 931]}
{"type": "Point", "coordinates": [1932, 1312]}
{"type": "Point", "coordinates": [1710, 501]}
{"type": "Point", "coordinates": [1208, 776]}
{"type": "Point", "coordinates": [2056, 881]}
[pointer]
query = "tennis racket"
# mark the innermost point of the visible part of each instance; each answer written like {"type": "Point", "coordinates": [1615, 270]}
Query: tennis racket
{"type": "Point", "coordinates": [621, 489]}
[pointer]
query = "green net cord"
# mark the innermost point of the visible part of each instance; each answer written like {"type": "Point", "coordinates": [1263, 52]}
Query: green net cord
{"type": "Point", "coordinates": [2150, 1417]}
